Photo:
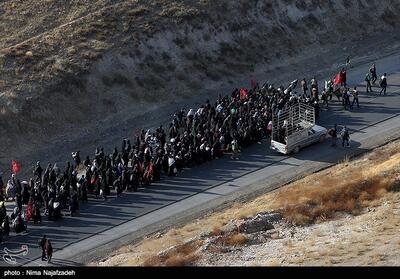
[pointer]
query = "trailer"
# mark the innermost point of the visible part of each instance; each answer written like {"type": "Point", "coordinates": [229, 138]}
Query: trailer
{"type": "Point", "coordinates": [295, 128]}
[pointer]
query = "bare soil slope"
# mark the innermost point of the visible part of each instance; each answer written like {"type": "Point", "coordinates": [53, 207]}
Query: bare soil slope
{"type": "Point", "coordinates": [345, 215]}
{"type": "Point", "coordinates": [70, 64]}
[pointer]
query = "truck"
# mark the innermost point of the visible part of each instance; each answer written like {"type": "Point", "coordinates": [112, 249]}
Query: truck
{"type": "Point", "coordinates": [295, 128]}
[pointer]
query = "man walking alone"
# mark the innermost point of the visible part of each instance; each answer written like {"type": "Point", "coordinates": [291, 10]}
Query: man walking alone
{"type": "Point", "coordinates": [383, 84]}
{"type": "Point", "coordinates": [345, 137]}
{"type": "Point", "coordinates": [355, 98]}
{"type": "Point", "coordinates": [49, 250]}
{"type": "Point", "coordinates": [42, 244]}
{"type": "Point", "coordinates": [374, 76]}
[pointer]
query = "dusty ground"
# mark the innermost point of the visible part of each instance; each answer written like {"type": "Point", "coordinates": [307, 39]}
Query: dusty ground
{"type": "Point", "coordinates": [350, 216]}
{"type": "Point", "coordinates": [76, 69]}
{"type": "Point", "coordinates": [371, 238]}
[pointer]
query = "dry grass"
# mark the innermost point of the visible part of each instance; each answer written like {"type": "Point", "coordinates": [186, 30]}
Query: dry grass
{"type": "Point", "coordinates": [349, 190]}
{"type": "Point", "coordinates": [215, 231]}
{"type": "Point", "coordinates": [345, 187]}
{"type": "Point", "coordinates": [236, 239]}
{"type": "Point", "coordinates": [182, 255]}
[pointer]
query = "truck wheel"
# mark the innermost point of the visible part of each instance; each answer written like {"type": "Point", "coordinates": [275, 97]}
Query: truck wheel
{"type": "Point", "coordinates": [296, 150]}
{"type": "Point", "coordinates": [322, 138]}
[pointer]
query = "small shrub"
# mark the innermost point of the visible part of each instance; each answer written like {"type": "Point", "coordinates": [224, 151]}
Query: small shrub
{"type": "Point", "coordinates": [236, 239]}
{"type": "Point", "coordinates": [181, 260]}
{"type": "Point", "coordinates": [215, 231]}
{"type": "Point", "coordinates": [182, 255]}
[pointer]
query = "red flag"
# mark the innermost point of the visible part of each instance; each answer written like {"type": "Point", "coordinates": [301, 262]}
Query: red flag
{"type": "Point", "coordinates": [15, 167]}
{"type": "Point", "coordinates": [338, 79]}
{"type": "Point", "coordinates": [243, 94]}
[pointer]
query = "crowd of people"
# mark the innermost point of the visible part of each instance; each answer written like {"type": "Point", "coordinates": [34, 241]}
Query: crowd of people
{"type": "Point", "coordinates": [193, 137]}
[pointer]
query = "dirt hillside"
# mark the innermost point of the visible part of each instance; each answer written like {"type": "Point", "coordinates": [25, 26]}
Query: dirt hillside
{"type": "Point", "coordinates": [68, 65]}
{"type": "Point", "coordinates": [345, 215]}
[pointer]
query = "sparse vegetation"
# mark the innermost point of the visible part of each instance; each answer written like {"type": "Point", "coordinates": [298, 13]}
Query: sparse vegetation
{"type": "Point", "coordinates": [347, 188]}
{"type": "Point", "coordinates": [235, 239]}
{"type": "Point", "coordinates": [182, 255]}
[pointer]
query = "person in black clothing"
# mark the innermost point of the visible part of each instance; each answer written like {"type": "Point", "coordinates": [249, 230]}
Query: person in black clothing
{"type": "Point", "coordinates": [345, 98]}
{"type": "Point", "coordinates": [355, 98]}
{"type": "Point", "coordinates": [51, 209]}
{"type": "Point", "coordinates": [87, 161]}
{"type": "Point", "coordinates": [3, 212]}
{"type": "Point", "coordinates": [19, 224]}
{"type": "Point", "coordinates": [374, 75]}
{"type": "Point", "coordinates": [73, 203]}
{"type": "Point", "coordinates": [38, 171]}
{"type": "Point", "coordinates": [6, 226]}
{"type": "Point", "coordinates": [18, 201]}
{"type": "Point", "coordinates": [316, 109]}
{"type": "Point", "coordinates": [49, 250]}
{"type": "Point", "coordinates": [343, 76]}
{"type": "Point", "coordinates": [36, 213]}
{"type": "Point", "coordinates": [77, 158]}
{"type": "Point", "coordinates": [304, 86]}
{"type": "Point", "coordinates": [42, 244]}
{"type": "Point", "coordinates": [383, 84]}
{"type": "Point", "coordinates": [25, 193]}
{"type": "Point", "coordinates": [118, 186]}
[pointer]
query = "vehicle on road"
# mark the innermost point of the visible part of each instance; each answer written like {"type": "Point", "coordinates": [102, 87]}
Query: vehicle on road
{"type": "Point", "coordinates": [295, 128]}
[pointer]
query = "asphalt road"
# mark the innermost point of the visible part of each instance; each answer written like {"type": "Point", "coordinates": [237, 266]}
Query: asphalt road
{"type": "Point", "coordinates": [116, 221]}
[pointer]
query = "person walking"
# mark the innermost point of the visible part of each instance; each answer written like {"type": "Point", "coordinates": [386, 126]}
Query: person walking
{"type": "Point", "coordinates": [42, 244]}
{"type": "Point", "coordinates": [49, 250]}
{"type": "Point", "coordinates": [355, 98]}
{"type": "Point", "coordinates": [314, 88]}
{"type": "Point", "coordinates": [383, 84]}
{"type": "Point", "coordinates": [345, 98]}
{"type": "Point", "coordinates": [325, 97]}
{"type": "Point", "coordinates": [6, 226]}
{"type": "Point", "coordinates": [304, 86]}
{"type": "Point", "coordinates": [345, 137]}
{"type": "Point", "coordinates": [333, 133]}
{"type": "Point", "coordinates": [374, 76]}
{"type": "Point", "coordinates": [36, 213]}
{"type": "Point", "coordinates": [329, 89]}
{"type": "Point", "coordinates": [343, 77]}
{"type": "Point", "coordinates": [235, 149]}
{"type": "Point", "coordinates": [368, 80]}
